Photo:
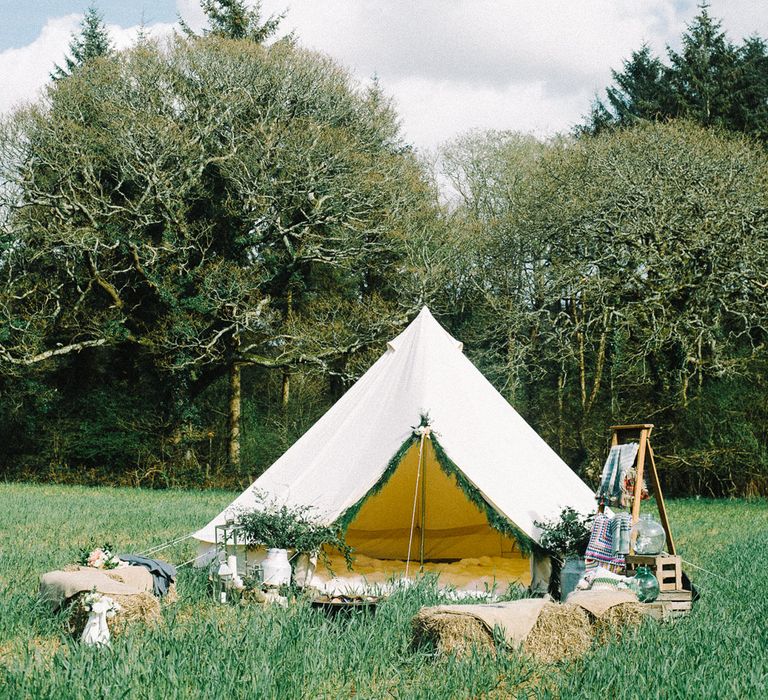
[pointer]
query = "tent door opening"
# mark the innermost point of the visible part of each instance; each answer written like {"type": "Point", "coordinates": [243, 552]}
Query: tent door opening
{"type": "Point", "coordinates": [422, 514]}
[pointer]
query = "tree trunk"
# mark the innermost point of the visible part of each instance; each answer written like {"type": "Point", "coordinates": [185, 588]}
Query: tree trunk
{"type": "Point", "coordinates": [561, 413]}
{"type": "Point", "coordinates": [286, 391]}
{"type": "Point", "coordinates": [286, 388]}
{"type": "Point", "coordinates": [235, 404]}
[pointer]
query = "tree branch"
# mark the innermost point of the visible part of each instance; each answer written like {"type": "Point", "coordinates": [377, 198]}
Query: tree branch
{"type": "Point", "coordinates": [64, 350]}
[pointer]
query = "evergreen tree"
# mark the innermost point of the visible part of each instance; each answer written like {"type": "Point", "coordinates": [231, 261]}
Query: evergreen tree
{"type": "Point", "coordinates": [92, 41]}
{"type": "Point", "coordinates": [233, 19]}
{"type": "Point", "coordinates": [710, 81]}
{"type": "Point", "coordinates": [749, 110]}
{"type": "Point", "coordinates": [702, 75]}
{"type": "Point", "coordinates": [641, 92]}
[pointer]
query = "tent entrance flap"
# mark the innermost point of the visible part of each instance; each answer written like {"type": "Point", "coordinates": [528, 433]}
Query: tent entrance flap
{"type": "Point", "coordinates": [446, 523]}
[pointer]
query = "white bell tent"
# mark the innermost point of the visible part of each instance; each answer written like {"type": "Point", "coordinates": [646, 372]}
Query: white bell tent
{"type": "Point", "coordinates": [470, 482]}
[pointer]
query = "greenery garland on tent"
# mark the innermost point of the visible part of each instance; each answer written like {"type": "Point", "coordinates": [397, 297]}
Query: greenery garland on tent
{"type": "Point", "coordinates": [495, 519]}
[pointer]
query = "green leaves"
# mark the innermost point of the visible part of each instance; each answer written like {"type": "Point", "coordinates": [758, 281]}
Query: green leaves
{"type": "Point", "coordinates": [567, 535]}
{"type": "Point", "coordinates": [277, 525]}
{"type": "Point", "coordinates": [614, 278]}
{"type": "Point", "coordinates": [92, 42]}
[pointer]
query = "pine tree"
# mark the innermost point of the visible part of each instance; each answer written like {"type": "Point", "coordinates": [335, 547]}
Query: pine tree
{"type": "Point", "coordinates": [641, 93]}
{"type": "Point", "coordinates": [749, 111]}
{"type": "Point", "coordinates": [92, 41]}
{"type": "Point", "coordinates": [709, 81]}
{"type": "Point", "coordinates": [702, 75]}
{"type": "Point", "coordinates": [233, 19]}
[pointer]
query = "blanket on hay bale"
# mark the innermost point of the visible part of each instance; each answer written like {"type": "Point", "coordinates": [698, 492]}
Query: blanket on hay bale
{"type": "Point", "coordinates": [57, 587]}
{"type": "Point", "coordinates": [129, 586]}
{"type": "Point", "coordinates": [543, 629]}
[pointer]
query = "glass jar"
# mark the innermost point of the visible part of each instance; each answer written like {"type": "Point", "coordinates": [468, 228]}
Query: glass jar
{"type": "Point", "coordinates": [648, 535]}
{"type": "Point", "coordinates": [645, 585]}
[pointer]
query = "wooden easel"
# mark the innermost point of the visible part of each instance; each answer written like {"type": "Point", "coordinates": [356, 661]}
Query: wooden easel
{"type": "Point", "coordinates": [621, 434]}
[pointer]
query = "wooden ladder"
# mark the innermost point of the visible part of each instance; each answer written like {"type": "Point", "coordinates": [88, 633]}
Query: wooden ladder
{"type": "Point", "coordinates": [621, 434]}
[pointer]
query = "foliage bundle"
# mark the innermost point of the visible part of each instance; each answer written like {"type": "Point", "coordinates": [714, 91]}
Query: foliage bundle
{"type": "Point", "coordinates": [278, 525]}
{"type": "Point", "coordinates": [566, 536]}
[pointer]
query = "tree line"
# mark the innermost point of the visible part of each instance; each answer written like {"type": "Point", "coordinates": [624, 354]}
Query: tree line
{"type": "Point", "coordinates": [204, 241]}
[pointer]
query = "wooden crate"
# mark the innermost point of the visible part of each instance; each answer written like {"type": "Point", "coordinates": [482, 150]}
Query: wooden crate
{"type": "Point", "coordinates": [667, 569]}
{"type": "Point", "coordinates": [669, 605]}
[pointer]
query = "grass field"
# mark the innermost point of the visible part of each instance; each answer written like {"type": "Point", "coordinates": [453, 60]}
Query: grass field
{"type": "Point", "coordinates": [211, 651]}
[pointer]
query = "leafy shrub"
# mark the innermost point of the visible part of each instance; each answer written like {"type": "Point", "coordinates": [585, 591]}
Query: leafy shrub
{"type": "Point", "coordinates": [281, 526]}
{"type": "Point", "coordinates": [567, 535]}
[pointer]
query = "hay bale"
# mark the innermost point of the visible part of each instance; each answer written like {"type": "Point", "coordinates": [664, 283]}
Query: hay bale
{"type": "Point", "coordinates": [172, 596]}
{"type": "Point", "coordinates": [616, 621]}
{"type": "Point", "coordinates": [562, 631]}
{"type": "Point", "coordinates": [451, 634]}
{"type": "Point", "coordinates": [139, 607]}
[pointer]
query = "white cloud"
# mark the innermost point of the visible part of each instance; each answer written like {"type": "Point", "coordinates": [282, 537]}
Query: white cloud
{"type": "Point", "coordinates": [451, 65]}
{"type": "Point", "coordinates": [26, 70]}
{"type": "Point", "coordinates": [435, 111]}
{"type": "Point", "coordinates": [527, 65]}
{"type": "Point", "coordinates": [191, 12]}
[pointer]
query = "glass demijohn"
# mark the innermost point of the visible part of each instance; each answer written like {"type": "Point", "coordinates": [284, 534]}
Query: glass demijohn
{"type": "Point", "coordinates": [645, 584]}
{"type": "Point", "coordinates": [649, 536]}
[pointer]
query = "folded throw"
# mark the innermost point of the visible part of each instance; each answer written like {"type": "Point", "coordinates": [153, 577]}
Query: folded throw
{"type": "Point", "coordinates": [163, 573]}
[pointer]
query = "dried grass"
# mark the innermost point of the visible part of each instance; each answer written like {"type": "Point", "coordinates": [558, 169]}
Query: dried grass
{"type": "Point", "coordinates": [172, 596]}
{"type": "Point", "coordinates": [450, 633]}
{"type": "Point", "coordinates": [616, 621]}
{"type": "Point", "coordinates": [562, 631]}
{"type": "Point", "coordinates": [139, 607]}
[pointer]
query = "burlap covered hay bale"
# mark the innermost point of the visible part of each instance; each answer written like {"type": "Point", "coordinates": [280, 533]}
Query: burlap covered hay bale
{"type": "Point", "coordinates": [139, 607]}
{"type": "Point", "coordinates": [451, 634]}
{"type": "Point", "coordinates": [562, 631]}
{"type": "Point", "coordinates": [617, 620]}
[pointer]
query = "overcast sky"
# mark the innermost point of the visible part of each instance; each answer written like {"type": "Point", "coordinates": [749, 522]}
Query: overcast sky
{"type": "Point", "coordinates": [451, 65]}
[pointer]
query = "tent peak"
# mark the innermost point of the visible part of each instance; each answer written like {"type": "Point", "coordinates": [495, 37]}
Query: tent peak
{"type": "Point", "coordinates": [424, 328]}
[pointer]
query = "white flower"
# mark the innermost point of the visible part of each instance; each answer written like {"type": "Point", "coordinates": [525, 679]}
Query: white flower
{"type": "Point", "coordinates": [101, 606]}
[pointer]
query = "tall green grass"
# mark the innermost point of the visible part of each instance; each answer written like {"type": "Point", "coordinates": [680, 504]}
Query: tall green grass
{"type": "Point", "coordinates": [206, 650]}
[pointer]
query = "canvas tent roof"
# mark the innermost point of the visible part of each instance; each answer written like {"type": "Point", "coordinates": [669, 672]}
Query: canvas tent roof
{"type": "Point", "coordinates": [423, 371]}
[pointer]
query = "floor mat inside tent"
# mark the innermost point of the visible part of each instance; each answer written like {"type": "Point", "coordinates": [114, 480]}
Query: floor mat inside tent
{"type": "Point", "coordinates": [466, 575]}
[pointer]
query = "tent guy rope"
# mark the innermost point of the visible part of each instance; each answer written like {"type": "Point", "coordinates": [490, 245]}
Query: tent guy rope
{"type": "Point", "coordinates": [165, 545]}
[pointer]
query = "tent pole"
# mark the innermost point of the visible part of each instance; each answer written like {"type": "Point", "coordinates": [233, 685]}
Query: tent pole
{"type": "Point", "coordinates": [423, 467]}
{"type": "Point", "coordinates": [415, 502]}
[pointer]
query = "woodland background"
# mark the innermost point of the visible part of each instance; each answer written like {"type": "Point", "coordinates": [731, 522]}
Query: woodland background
{"type": "Point", "coordinates": [204, 242]}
